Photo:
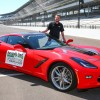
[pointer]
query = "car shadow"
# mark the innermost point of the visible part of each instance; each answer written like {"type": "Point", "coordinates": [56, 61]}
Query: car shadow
{"type": "Point", "coordinates": [91, 94]}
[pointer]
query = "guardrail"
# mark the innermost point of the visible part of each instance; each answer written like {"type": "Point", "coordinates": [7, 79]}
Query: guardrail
{"type": "Point", "coordinates": [66, 26]}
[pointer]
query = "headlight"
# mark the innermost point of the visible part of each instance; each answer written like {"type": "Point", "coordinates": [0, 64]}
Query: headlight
{"type": "Point", "coordinates": [83, 62]}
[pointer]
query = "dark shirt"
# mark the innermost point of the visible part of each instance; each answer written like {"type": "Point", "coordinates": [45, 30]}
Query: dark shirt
{"type": "Point", "coordinates": [55, 29]}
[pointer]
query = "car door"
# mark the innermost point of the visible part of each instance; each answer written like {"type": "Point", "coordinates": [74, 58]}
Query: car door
{"type": "Point", "coordinates": [21, 58]}
{"type": "Point", "coordinates": [15, 56]}
{"type": "Point", "coordinates": [10, 55]}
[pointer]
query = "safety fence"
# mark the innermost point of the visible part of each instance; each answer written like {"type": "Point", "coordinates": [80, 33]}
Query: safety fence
{"type": "Point", "coordinates": [66, 26]}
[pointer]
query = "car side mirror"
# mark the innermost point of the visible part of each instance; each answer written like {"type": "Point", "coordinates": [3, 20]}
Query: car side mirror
{"type": "Point", "coordinates": [68, 41]}
{"type": "Point", "coordinates": [19, 47]}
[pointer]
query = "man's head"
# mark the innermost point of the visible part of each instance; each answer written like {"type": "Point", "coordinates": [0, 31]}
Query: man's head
{"type": "Point", "coordinates": [57, 18]}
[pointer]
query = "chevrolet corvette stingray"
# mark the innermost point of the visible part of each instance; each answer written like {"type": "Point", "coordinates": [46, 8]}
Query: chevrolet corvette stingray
{"type": "Point", "coordinates": [65, 65]}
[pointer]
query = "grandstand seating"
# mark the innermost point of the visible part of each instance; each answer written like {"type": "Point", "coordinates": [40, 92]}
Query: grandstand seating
{"type": "Point", "coordinates": [72, 23]}
{"type": "Point", "coordinates": [35, 12]}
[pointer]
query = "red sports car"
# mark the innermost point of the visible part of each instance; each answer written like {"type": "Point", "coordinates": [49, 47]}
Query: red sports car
{"type": "Point", "coordinates": [64, 65]}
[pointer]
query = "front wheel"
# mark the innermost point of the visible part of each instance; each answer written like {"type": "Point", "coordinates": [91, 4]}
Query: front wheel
{"type": "Point", "coordinates": [62, 77]}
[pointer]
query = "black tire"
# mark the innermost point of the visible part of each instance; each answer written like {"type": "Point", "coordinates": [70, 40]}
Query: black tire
{"type": "Point", "coordinates": [61, 74]}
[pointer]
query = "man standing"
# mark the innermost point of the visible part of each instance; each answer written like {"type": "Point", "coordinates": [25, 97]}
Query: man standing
{"type": "Point", "coordinates": [55, 28]}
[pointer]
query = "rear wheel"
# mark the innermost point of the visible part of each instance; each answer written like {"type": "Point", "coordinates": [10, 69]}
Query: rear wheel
{"type": "Point", "coordinates": [62, 77]}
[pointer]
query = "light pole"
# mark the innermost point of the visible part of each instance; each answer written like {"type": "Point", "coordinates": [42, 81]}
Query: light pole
{"type": "Point", "coordinates": [79, 6]}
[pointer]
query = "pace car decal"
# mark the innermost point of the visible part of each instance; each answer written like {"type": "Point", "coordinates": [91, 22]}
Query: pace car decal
{"type": "Point", "coordinates": [15, 58]}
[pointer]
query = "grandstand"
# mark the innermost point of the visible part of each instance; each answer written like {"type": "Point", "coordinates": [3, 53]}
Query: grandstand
{"type": "Point", "coordinates": [41, 12]}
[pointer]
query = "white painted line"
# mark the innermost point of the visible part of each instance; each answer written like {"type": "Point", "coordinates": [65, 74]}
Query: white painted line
{"type": "Point", "coordinates": [2, 75]}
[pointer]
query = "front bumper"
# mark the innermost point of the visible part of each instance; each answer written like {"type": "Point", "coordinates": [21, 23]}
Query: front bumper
{"type": "Point", "coordinates": [88, 78]}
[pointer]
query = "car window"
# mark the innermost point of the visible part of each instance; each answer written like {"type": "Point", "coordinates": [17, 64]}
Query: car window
{"type": "Point", "coordinates": [4, 38]}
{"type": "Point", "coordinates": [15, 40]}
{"type": "Point", "coordinates": [42, 41]}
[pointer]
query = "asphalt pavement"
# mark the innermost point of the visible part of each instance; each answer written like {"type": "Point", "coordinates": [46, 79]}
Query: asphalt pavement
{"type": "Point", "coordinates": [19, 86]}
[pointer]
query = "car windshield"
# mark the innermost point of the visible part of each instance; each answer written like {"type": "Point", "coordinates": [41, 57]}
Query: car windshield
{"type": "Point", "coordinates": [42, 41]}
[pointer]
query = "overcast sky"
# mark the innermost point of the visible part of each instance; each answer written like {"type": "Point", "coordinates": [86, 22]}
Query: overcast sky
{"type": "Point", "coordinates": [7, 6]}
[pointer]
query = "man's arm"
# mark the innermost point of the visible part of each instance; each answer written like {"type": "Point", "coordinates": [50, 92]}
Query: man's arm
{"type": "Point", "coordinates": [48, 28]}
{"type": "Point", "coordinates": [62, 33]}
{"type": "Point", "coordinates": [45, 30]}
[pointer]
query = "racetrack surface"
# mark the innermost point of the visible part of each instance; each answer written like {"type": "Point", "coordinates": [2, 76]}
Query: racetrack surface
{"type": "Point", "coordinates": [18, 86]}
